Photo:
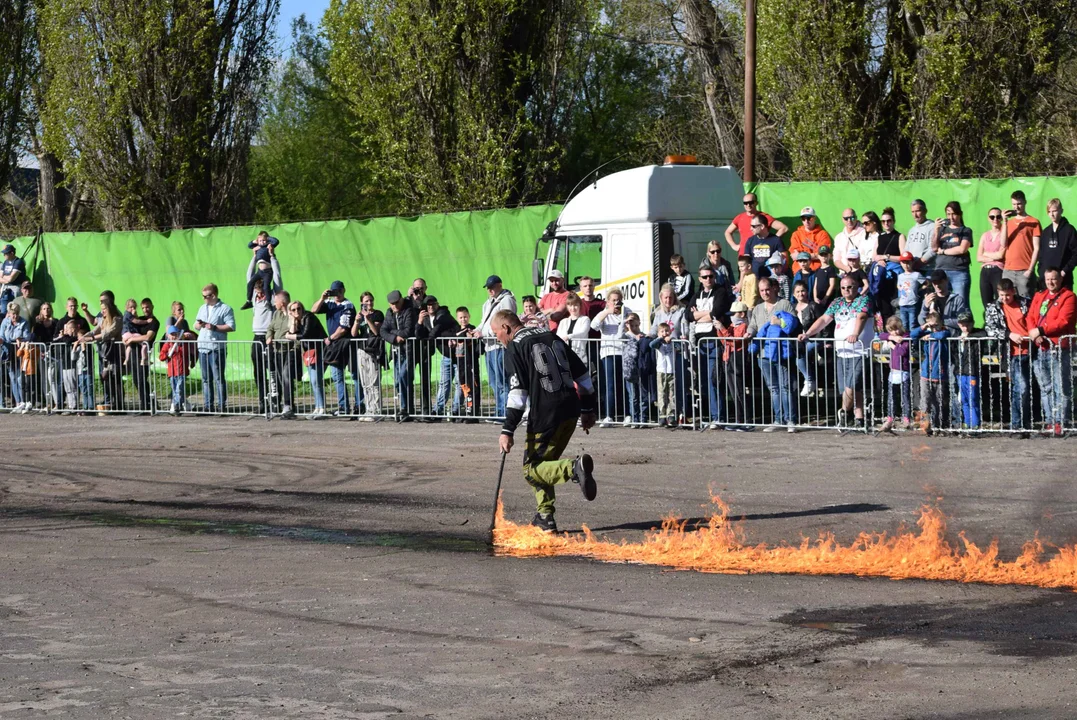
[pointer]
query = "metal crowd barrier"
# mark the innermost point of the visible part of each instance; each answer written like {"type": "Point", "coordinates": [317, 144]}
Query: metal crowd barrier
{"type": "Point", "coordinates": [971, 386]}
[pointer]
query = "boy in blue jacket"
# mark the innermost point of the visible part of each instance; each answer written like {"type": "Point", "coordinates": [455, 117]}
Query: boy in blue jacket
{"type": "Point", "coordinates": [934, 372]}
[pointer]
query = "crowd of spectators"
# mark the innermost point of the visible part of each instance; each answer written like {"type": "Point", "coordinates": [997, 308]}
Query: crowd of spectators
{"type": "Point", "coordinates": [790, 310]}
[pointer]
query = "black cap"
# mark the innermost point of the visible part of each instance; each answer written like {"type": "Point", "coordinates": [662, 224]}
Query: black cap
{"type": "Point", "coordinates": [429, 300]}
{"type": "Point", "coordinates": [491, 281]}
{"type": "Point", "coordinates": [336, 286]}
{"type": "Point", "coordinates": [966, 318]}
{"type": "Point", "coordinates": [394, 297]}
{"type": "Point", "coordinates": [11, 249]}
{"type": "Point", "coordinates": [939, 276]}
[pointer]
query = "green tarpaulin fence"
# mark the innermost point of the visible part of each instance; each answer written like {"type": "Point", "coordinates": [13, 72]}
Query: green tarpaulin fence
{"type": "Point", "coordinates": [785, 200]}
{"type": "Point", "coordinates": [454, 252]}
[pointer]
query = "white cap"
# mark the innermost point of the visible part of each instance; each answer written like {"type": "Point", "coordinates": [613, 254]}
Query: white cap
{"type": "Point", "coordinates": [776, 259]}
{"type": "Point", "coordinates": [556, 274]}
{"type": "Point", "coordinates": [807, 210]}
{"type": "Point", "coordinates": [852, 253]}
{"type": "Point", "coordinates": [738, 307]}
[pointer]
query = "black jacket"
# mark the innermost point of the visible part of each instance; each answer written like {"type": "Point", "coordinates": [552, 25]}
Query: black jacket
{"type": "Point", "coordinates": [400, 324]}
{"type": "Point", "coordinates": [1058, 248]}
{"type": "Point", "coordinates": [439, 325]}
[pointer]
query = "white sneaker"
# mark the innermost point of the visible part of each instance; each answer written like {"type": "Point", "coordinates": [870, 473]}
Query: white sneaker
{"type": "Point", "coordinates": [606, 422]}
{"type": "Point", "coordinates": [172, 410]}
{"type": "Point", "coordinates": [713, 426]}
{"type": "Point", "coordinates": [790, 428]}
{"type": "Point", "coordinates": [808, 390]}
{"type": "Point", "coordinates": [366, 418]}
{"type": "Point", "coordinates": [318, 414]}
{"type": "Point", "coordinates": [772, 428]}
{"type": "Point", "coordinates": [627, 421]}
{"type": "Point", "coordinates": [287, 412]}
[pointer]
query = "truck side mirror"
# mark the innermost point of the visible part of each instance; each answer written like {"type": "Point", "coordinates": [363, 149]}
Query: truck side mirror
{"type": "Point", "coordinates": [537, 276]}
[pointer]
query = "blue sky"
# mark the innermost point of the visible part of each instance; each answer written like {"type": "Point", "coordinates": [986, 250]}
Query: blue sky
{"type": "Point", "coordinates": [289, 9]}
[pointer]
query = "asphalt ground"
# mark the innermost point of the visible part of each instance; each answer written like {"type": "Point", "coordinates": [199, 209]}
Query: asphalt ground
{"type": "Point", "coordinates": [232, 568]}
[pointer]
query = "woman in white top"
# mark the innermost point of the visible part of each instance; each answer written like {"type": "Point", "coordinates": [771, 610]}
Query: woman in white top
{"type": "Point", "coordinates": [610, 324]}
{"type": "Point", "coordinates": [575, 328]}
{"type": "Point", "coordinates": [668, 311]}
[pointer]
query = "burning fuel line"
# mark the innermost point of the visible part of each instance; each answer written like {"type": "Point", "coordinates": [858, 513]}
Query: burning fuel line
{"type": "Point", "coordinates": [720, 546]}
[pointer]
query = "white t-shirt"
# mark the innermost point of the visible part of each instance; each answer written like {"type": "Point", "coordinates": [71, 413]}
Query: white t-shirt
{"type": "Point", "coordinates": [612, 329]}
{"type": "Point", "coordinates": [574, 331]}
{"type": "Point", "coordinates": [663, 359]}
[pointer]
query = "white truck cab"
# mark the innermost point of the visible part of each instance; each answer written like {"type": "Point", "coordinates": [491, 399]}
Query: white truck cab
{"type": "Point", "coordinates": [622, 229]}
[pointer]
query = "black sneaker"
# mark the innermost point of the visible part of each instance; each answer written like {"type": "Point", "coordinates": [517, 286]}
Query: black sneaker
{"type": "Point", "coordinates": [858, 424]}
{"type": "Point", "coordinates": [545, 523]}
{"type": "Point", "coordinates": [246, 306]}
{"type": "Point", "coordinates": [581, 473]}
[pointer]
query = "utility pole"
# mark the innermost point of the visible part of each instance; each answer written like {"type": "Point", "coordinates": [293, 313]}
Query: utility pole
{"type": "Point", "coordinates": [749, 91]}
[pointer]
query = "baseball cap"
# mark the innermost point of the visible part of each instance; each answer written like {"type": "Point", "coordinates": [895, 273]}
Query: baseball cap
{"type": "Point", "coordinates": [394, 297]}
{"type": "Point", "coordinates": [803, 256]}
{"type": "Point", "coordinates": [172, 330]}
{"type": "Point", "coordinates": [824, 250]}
{"type": "Point", "coordinates": [966, 318]}
{"type": "Point", "coordinates": [492, 280]}
{"type": "Point", "coordinates": [776, 259]}
{"type": "Point", "coordinates": [8, 249]}
{"type": "Point", "coordinates": [429, 300]}
{"type": "Point", "coordinates": [852, 253]}
{"type": "Point", "coordinates": [906, 257]}
{"type": "Point", "coordinates": [738, 307]}
{"type": "Point", "coordinates": [336, 286]}
{"type": "Point", "coordinates": [554, 274]}
{"type": "Point", "coordinates": [938, 276]}
{"type": "Point", "coordinates": [807, 210]}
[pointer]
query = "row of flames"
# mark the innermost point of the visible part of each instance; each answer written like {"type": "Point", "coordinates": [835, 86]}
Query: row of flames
{"type": "Point", "coordinates": [720, 547]}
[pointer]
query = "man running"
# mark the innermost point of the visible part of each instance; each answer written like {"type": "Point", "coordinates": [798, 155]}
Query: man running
{"type": "Point", "coordinates": [541, 368]}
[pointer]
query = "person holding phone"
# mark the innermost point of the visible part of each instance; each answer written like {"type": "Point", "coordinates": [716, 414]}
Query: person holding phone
{"type": "Point", "coordinates": [1022, 245]}
{"type": "Point", "coordinates": [951, 245]}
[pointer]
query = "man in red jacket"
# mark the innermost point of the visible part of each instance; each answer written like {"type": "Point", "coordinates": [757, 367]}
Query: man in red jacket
{"type": "Point", "coordinates": [1051, 322]}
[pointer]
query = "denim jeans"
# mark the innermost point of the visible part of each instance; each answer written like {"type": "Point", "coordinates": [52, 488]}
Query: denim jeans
{"type": "Point", "coordinates": [908, 314]}
{"type": "Point", "coordinates": [710, 374]}
{"type": "Point", "coordinates": [1020, 397]}
{"type": "Point", "coordinates": [806, 361]}
{"type": "Point", "coordinates": [634, 391]}
{"type": "Point", "coordinates": [445, 384]}
{"type": "Point", "coordinates": [86, 391]}
{"type": "Point", "coordinates": [776, 376]}
{"type": "Point", "coordinates": [613, 397]}
{"type": "Point", "coordinates": [970, 400]}
{"type": "Point", "coordinates": [15, 377]}
{"type": "Point", "coordinates": [211, 363]}
{"type": "Point", "coordinates": [495, 373]}
{"type": "Point", "coordinates": [960, 280]}
{"type": "Point", "coordinates": [316, 373]}
{"type": "Point", "coordinates": [404, 381]}
{"type": "Point", "coordinates": [179, 390]}
{"type": "Point", "coordinates": [1054, 375]}
{"type": "Point", "coordinates": [336, 374]}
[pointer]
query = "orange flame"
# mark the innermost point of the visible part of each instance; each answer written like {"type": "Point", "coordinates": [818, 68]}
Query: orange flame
{"type": "Point", "coordinates": [720, 547]}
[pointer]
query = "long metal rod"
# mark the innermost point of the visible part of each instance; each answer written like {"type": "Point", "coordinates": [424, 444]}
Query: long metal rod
{"type": "Point", "coordinates": [749, 91]}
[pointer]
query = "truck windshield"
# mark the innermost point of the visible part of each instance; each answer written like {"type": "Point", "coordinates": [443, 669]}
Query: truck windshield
{"type": "Point", "coordinates": [577, 256]}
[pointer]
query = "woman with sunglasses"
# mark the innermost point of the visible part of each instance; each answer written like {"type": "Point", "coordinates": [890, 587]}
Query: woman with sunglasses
{"type": "Point", "coordinates": [951, 245]}
{"type": "Point", "coordinates": [890, 245]}
{"type": "Point", "coordinates": [305, 328]}
{"type": "Point", "coordinates": [990, 254]}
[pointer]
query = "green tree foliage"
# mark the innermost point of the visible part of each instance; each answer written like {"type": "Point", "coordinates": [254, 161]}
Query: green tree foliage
{"type": "Point", "coordinates": [152, 104]}
{"type": "Point", "coordinates": [307, 162]}
{"type": "Point", "coordinates": [918, 88]}
{"type": "Point", "coordinates": [15, 38]}
{"type": "Point", "coordinates": [463, 103]}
